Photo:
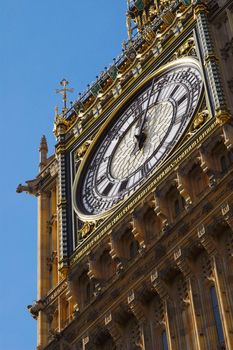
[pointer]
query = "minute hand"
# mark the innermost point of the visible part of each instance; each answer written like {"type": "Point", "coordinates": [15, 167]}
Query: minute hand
{"type": "Point", "coordinates": [146, 110]}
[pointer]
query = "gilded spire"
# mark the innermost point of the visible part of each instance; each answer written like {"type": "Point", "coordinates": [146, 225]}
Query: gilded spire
{"type": "Point", "coordinates": [64, 83]}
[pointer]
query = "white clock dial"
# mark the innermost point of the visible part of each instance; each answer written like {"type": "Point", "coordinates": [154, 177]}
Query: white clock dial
{"type": "Point", "coordinates": [125, 161]}
{"type": "Point", "coordinates": [137, 138]}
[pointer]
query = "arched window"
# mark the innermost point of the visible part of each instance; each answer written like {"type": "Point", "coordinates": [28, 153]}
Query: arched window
{"type": "Point", "coordinates": [175, 202]}
{"type": "Point", "coordinates": [183, 202]}
{"type": "Point", "coordinates": [177, 207]}
{"type": "Point", "coordinates": [107, 266]}
{"type": "Point", "coordinates": [164, 340]}
{"type": "Point", "coordinates": [109, 344]}
{"type": "Point", "coordinates": [217, 316]}
{"type": "Point", "coordinates": [223, 162]}
{"type": "Point", "coordinates": [230, 158]}
{"type": "Point", "coordinates": [88, 292]}
{"type": "Point", "coordinates": [151, 224]}
{"type": "Point", "coordinates": [198, 181]}
{"type": "Point", "coordinates": [133, 248]}
{"type": "Point", "coordinates": [129, 245]}
{"type": "Point", "coordinates": [84, 289]}
{"type": "Point", "coordinates": [222, 157]}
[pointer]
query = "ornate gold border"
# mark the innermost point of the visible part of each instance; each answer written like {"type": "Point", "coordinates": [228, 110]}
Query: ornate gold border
{"type": "Point", "coordinates": [92, 218]}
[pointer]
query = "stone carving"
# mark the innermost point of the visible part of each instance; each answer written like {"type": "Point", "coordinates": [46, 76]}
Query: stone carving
{"type": "Point", "coordinates": [149, 34]}
{"type": "Point", "coordinates": [187, 49]}
{"type": "Point", "coordinates": [61, 124]}
{"type": "Point", "coordinates": [206, 240]}
{"type": "Point", "coordinates": [53, 168]}
{"type": "Point", "coordinates": [35, 308]}
{"type": "Point", "coordinates": [31, 186]}
{"type": "Point", "coordinates": [81, 151]}
{"type": "Point", "coordinates": [50, 260]}
{"type": "Point", "coordinates": [86, 229]}
{"type": "Point", "coordinates": [200, 119]}
{"type": "Point", "coordinates": [50, 312]}
{"type": "Point", "coordinates": [227, 213]}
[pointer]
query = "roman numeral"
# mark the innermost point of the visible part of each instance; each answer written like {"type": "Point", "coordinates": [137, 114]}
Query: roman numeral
{"type": "Point", "coordinates": [123, 185]}
{"type": "Point", "coordinates": [101, 179]}
{"type": "Point", "coordinates": [174, 90]}
{"type": "Point", "coordinates": [182, 99]}
{"type": "Point", "coordinates": [107, 189]}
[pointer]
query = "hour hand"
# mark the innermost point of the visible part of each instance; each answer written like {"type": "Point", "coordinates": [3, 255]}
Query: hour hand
{"type": "Point", "coordinates": [140, 139]}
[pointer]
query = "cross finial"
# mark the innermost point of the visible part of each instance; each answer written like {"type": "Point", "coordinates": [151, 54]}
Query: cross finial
{"type": "Point", "coordinates": [64, 91]}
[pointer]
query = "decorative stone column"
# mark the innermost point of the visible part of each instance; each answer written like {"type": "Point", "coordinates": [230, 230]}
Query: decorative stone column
{"type": "Point", "coordinates": [211, 63]}
{"type": "Point", "coordinates": [193, 301]}
{"type": "Point", "coordinates": [60, 130]}
{"type": "Point", "coordinates": [228, 136]}
{"type": "Point", "coordinates": [206, 240]}
{"type": "Point", "coordinates": [162, 289]}
{"type": "Point", "coordinates": [224, 297]}
{"type": "Point", "coordinates": [207, 164]}
{"type": "Point", "coordinates": [161, 209]}
{"type": "Point", "coordinates": [138, 233]}
{"type": "Point", "coordinates": [114, 330]}
{"type": "Point", "coordinates": [139, 311]}
{"type": "Point", "coordinates": [43, 273]}
{"type": "Point", "coordinates": [183, 189]}
{"type": "Point", "coordinates": [94, 275]}
{"type": "Point", "coordinates": [227, 213]}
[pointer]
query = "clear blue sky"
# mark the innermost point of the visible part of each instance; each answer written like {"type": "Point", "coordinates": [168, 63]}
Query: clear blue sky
{"type": "Point", "coordinates": [41, 42]}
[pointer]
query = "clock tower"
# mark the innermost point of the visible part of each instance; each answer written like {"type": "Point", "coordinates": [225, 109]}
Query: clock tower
{"type": "Point", "coordinates": [135, 213]}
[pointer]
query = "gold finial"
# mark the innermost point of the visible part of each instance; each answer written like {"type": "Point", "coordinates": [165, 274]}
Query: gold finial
{"type": "Point", "coordinates": [129, 27]}
{"type": "Point", "coordinates": [64, 91]}
{"type": "Point", "coordinates": [156, 5]}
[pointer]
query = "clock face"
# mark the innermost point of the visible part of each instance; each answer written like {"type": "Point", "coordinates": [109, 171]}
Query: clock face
{"type": "Point", "coordinates": [138, 136]}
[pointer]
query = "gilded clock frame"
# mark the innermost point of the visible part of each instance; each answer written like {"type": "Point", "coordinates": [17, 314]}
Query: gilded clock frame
{"type": "Point", "coordinates": [134, 91]}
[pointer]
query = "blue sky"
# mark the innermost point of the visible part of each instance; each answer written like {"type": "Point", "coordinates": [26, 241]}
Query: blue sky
{"type": "Point", "coordinates": [41, 42]}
